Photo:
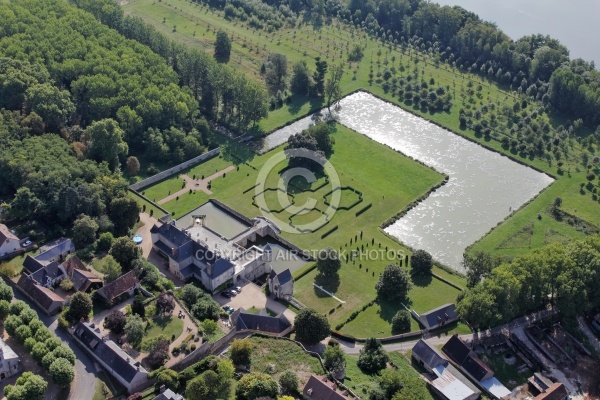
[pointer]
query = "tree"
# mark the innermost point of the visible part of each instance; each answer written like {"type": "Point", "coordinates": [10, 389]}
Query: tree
{"type": "Point", "coordinates": [124, 213]}
{"type": "Point", "coordinates": [256, 384]}
{"type": "Point", "coordinates": [390, 382]}
{"type": "Point", "coordinates": [206, 309]}
{"type": "Point", "coordinates": [288, 381]}
{"type": "Point", "coordinates": [328, 262]}
{"type": "Point", "coordinates": [134, 330]}
{"type": "Point", "coordinates": [241, 352]}
{"type": "Point", "coordinates": [27, 387]}
{"type": "Point", "coordinates": [62, 351]}
{"type": "Point", "coordinates": [84, 231]}
{"type": "Point", "coordinates": [209, 327]}
{"type": "Point", "coordinates": [478, 266]}
{"type": "Point", "coordinates": [133, 165]}
{"type": "Point", "coordinates": [49, 102]}
{"type": "Point", "coordinates": [158, 351]}
{"type": "Point", "coordinates": [105, 241]}
{"type": "Point", "coordinates": [52, 343]}
{"type": "Point", "coordinates": [372, 357]}
{"type": "Point", "coordinates": [301, 80]}
{"type": "Point", "coordinates": [115, 321]}
{"type": "Point", "coordinates": [333, 90]}
{"type": "Point", "coordinates": [66, 284]}
{"type": "Point", "coordinates": [138, 307]}
{"type": "Point", "coordinates": [112, 269]}
{"type": "Point", "coordinates": [319, 76]}
{"type": "Point", "coordinates": [394, 283]}
{"type": "Point", "coordinates": [61, 372]}
{"type": "Point", "coordinates": [275, 71]}
{"type": "Point", "coordinates": [24, 203]}
{"type": "Point", "coordinates": [124, 252]}
{"type": "Point", "coordinates": [334, 359]}
{"type": "Point", "coordinates": [80, 306]}
{"type": "Point", "coordinates": [104, 141]}
{"type": "Point", "coordinates": [4, 307]}
{"type": "Point", "coordinates": [222, 47]}
{"type": "Point", "coordinates": [22, 333]}
{"type": "Point", "coordinates": [311, 327]}
{"type": "Point", "coordinates": [421, 262]}
{"type": "Point", "coordinates": [165, 303]}
{"type": "Point", "coordinates": [190, 294]}
{"type": "Point", "coordinates": [168, 377]}
{"type": "Point", "coordinates": [6, 292]}
{"type": "Point", "coordinates": [39, 351]}
{"type": "Point", "coordinates": [401, 322]}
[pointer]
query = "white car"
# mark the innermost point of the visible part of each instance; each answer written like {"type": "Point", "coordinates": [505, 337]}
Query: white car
{"type": "Point", "coordinates": [27, 243]}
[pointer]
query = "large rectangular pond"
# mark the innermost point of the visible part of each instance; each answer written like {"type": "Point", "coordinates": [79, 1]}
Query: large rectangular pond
{"type": "Point", "coordinates": [484, 187]}
{"type": "Point", "coordinates": [217, 220]}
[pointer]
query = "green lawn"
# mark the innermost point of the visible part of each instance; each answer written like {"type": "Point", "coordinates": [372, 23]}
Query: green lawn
{"type": "Point", "coordinates": [167, 326]}
{"type": "Point", "coordinates": [146, 205]}
{"type": "Point", "coordinates": [284, 355]}
{"type": "Point", "coordinates": [506, 373]}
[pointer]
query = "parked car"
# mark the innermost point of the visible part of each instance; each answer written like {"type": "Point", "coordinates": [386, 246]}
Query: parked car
{"type": "Point", "coordinates": [238, 288]}
{"type": "Point", "coordinates": [27, 243]}
{"type": "Point", "coordinates": [226, 293]}
{"type": "Point", "coordinates": [233, 292]}
{"type": "Point", "coordinates": [230, 310]}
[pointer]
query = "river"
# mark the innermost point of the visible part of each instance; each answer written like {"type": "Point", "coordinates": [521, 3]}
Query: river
{"type": "Point", "coordinates": [573, 22]}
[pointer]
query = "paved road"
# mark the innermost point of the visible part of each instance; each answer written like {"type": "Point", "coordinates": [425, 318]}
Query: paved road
{"type": "Point", "coordinates": [354, 348]}
{"type": "Point", "coordinates": [84, 385]}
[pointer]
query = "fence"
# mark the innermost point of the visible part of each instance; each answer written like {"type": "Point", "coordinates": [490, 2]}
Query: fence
{"type": "Point", "coordinates": [173, 170]}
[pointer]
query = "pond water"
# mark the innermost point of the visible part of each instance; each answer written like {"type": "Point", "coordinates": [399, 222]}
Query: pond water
{"type": "Point", "coordinates": [217, 220]}
{"type": "Point", "coordinates": [573, 22]}
{"type": "Point", "coordinates": [281, 256]}
{"type": "Point", "coordinates": [483, 189]}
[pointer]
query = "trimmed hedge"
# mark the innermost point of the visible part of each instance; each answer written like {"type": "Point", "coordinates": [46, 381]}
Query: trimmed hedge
{"type": "Point", "coordinates": [329, 232]}
{"type": "Point", "coordinates": [365, 208]}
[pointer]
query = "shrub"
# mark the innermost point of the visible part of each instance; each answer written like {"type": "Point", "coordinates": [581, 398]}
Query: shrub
{"type": "Point", "coordinates": [22, 333]}
{"type": "Point", "coordinates": [288, 381]}
{"type": "Point", "coordinates": [401, 322]}
{"type": "Point", "coordinates": [311, 327]}
{"type": "Point", "coordinates": [115, 321]}
{"type": "Point", "coordinates": [373, 357]}
{"type": "Point", "coordinates": [66, 284]}
{"type": "Point", "coordinates": [241, 352]}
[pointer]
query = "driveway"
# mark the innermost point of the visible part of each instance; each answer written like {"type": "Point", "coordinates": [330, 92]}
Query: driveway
{"type": "Point", "coordinates": [253, 296]}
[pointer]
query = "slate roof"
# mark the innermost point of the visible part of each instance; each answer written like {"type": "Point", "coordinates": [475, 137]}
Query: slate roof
{"type": "Point", "coordinates": [475, 367]}
{"type": "Point", "coordinates": [284, 277]}
{"type": "Point", "coordinates": [244, 320]}
{"type": "Point", "coordinates": [49, 272]}
{"type": "Point", "coordinates": [41, 295]}
{"type": "Point", "coordinates": [7, 352]}
{"type": "Point", "coordinates": [428, 354]}
{"type": "Point", "coordinates": [31, 264]}
{"type": "Point", "coordinates": [119, 286]}
{"type": "Point", "coordinates": [557, 391]}
{"type": "Point", "coordinates": [168, 394]}
{"type": "Point", "coordinates": [319, 388]}
{"type": "Point", "coordinates": [118, 361]}
{"type": "Point", "coordinates": [172, 234]}
{"type": "Point", "coordinates": [5, 233]}
{"type": "Point", "coordinates": [456, 349]}
{"type": "Point", "coordinates": [72, 264]}
{"type": "Point", "coordinates": [442, 314]}
{"type": "Point", "coordinates": [55, 249]}
{"type": "Point", "coordinates": [220, 267]}
{"type": "Point", "coordinates": [189, 270]}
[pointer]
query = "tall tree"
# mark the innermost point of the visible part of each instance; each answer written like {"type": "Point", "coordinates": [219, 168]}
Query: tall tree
{"type": "Point", "coordinates": [84, 231]}
{"type": "Point", "coordinates": [125, 252]}
{"type": "Point", "coordinates": [328, 262]}
{"type": "Point", "coordinates": [311, 327]}
{"type": "Point", "coordinates": [319, 76]}
{"type": "Point", "coordinates": [276, 70]}
{"type": "Point", "coordinates": [333, 89]}
{"type": "Point", "coordinates": [301, 80]}
{"type": "Point", "coordinates": [421, 262]}
{"type": "Point", "coordinates": [124, 213]}
{"type": "Point", "coordinates": [104, 141]}
{"type": "Point", "coordinates": [372, 357]}
{"type": "Point", "coordinates": [394, 284]}
{"type": "Point", "coordinates": [80, 306]}
{"type": "Point", "coordinates": [112, 269]}
{"type": "Point", "coordinates": [222, 47]}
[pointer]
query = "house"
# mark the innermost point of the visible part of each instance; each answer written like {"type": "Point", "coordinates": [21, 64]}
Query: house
{"type": "Point", "coordinates": [54, 252]}
{"type": "Point", "coordinates": [243, 320]}
{"type": "Point", "coordinates": [168, 394]}
{"type": "Point", "coordinates": [280, 285]}
{"type": "Point", "coordinates": [319, 388]}
{"type": "Point", "coordinates": [446, 380]}
{"type": "Point", "coordinates": [49, 275]}
{"type": "Point", "coordinates": [9, 361]}
{"type": "Point", "coordinates": [440, 316]}
{"type": "Point", "coordinates": [556, 391]}
{"type": "Point", "coordinates": [198, 251]}
{"type": "Point", "coordinates": [83, 280]}
{"type": "Point", "coordinates": [473, 367]}
{"type": "Point", "coordinates": [107, 353]}
{"type": "Point", "coordinates": [50, 302]}
{"type": "Point", "coordinates": [9, 242]}
{"type": "Point", "coordinates": [125, 284]}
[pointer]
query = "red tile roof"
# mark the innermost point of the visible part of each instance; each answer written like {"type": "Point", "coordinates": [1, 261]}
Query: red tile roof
{"type": "Point", "coordinates": [557, 391]}
{"type": "Point", "coordinates": [119, 286]}
{"type": "Point", "coordinates": [5, 233]}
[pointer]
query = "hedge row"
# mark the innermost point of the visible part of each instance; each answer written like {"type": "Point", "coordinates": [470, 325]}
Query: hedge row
{"type": "Point", "coordinates": [329, 232]}
{"type": "Point", "coordinates": [249, 189]}
{"type": "Point", "coordinates": [365, 208]}
{"type": "Point", "coordinates": [352, 316]}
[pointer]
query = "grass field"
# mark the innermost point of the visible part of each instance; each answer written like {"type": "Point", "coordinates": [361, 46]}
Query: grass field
{"type": "Point", "coordinates": [195, 25]}
{"type": "Point", "coordinates": [167, 326]}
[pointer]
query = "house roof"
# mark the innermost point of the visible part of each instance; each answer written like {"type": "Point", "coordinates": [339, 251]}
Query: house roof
{"type": "Point", "coordinates": [7, 352]}
{"type": "Point", "coordinates": [475, 367]}
{"type": "Point", "coordinates": [220, 267]}
{"type": "Point", "coordinates": [107, 350]}
{"type": "Point", "coordinates": [41, 295]}
{"type": "Point", "coordinates": [319, 388]}
{"type": "Point", "coordinates": [428, 354]}
{"type": "Point", "coordinates": [456, 349]}
{"type": "Point", "coordinates": [73, 263]}
{"type": "Point", "coordinates": [82, 280]}
{"type": "Point", "coordinates": [284, 277]}
{"type": "Point", "coordinates": [59, 247]}
{"type": "Point", "coordinates": [31, 264]}
{"type": "Point", "coordinates": [451, 384]}
{"type": "Point", "coordinates": [442, 314]}
{"type": "Point", "coordinates": [119, 286]}
{"type": "Point", "coordinates": [557, 391]}
{"type": "Point", "coordinates": [244, 320]}
{"type": "Point", "coordinates": [5, 234]}
{"type": "Point", "coordinates": [49, 272]}
{"type": "Point", "coordinates": [168, 394]}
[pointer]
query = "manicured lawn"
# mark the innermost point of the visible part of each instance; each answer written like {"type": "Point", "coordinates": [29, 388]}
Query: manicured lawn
{"type": "Point", "coordinates": [164, 188]}
{"type": "Point", "coordinates": [429, 292]}
{"type": "Point", "coordinates": [167, 326]}
{"type": "Point", "coordinates": [506, 373]}
{"type": "Point", "coordinates": [284, 355]}
{"type": "Point", "coordinates": [149, 207]}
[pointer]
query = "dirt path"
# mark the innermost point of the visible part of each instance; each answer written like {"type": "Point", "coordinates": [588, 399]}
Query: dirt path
{"type": "Point", "coordinates": [195, 184]}
{"type": "Point", "coordinates": [189, 327]}
{"type": "Point", "coordinates": [144, 232]}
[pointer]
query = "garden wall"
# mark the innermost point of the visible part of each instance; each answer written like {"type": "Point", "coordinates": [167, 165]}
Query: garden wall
{"type": "Point", "coordinates": [171, 171]}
